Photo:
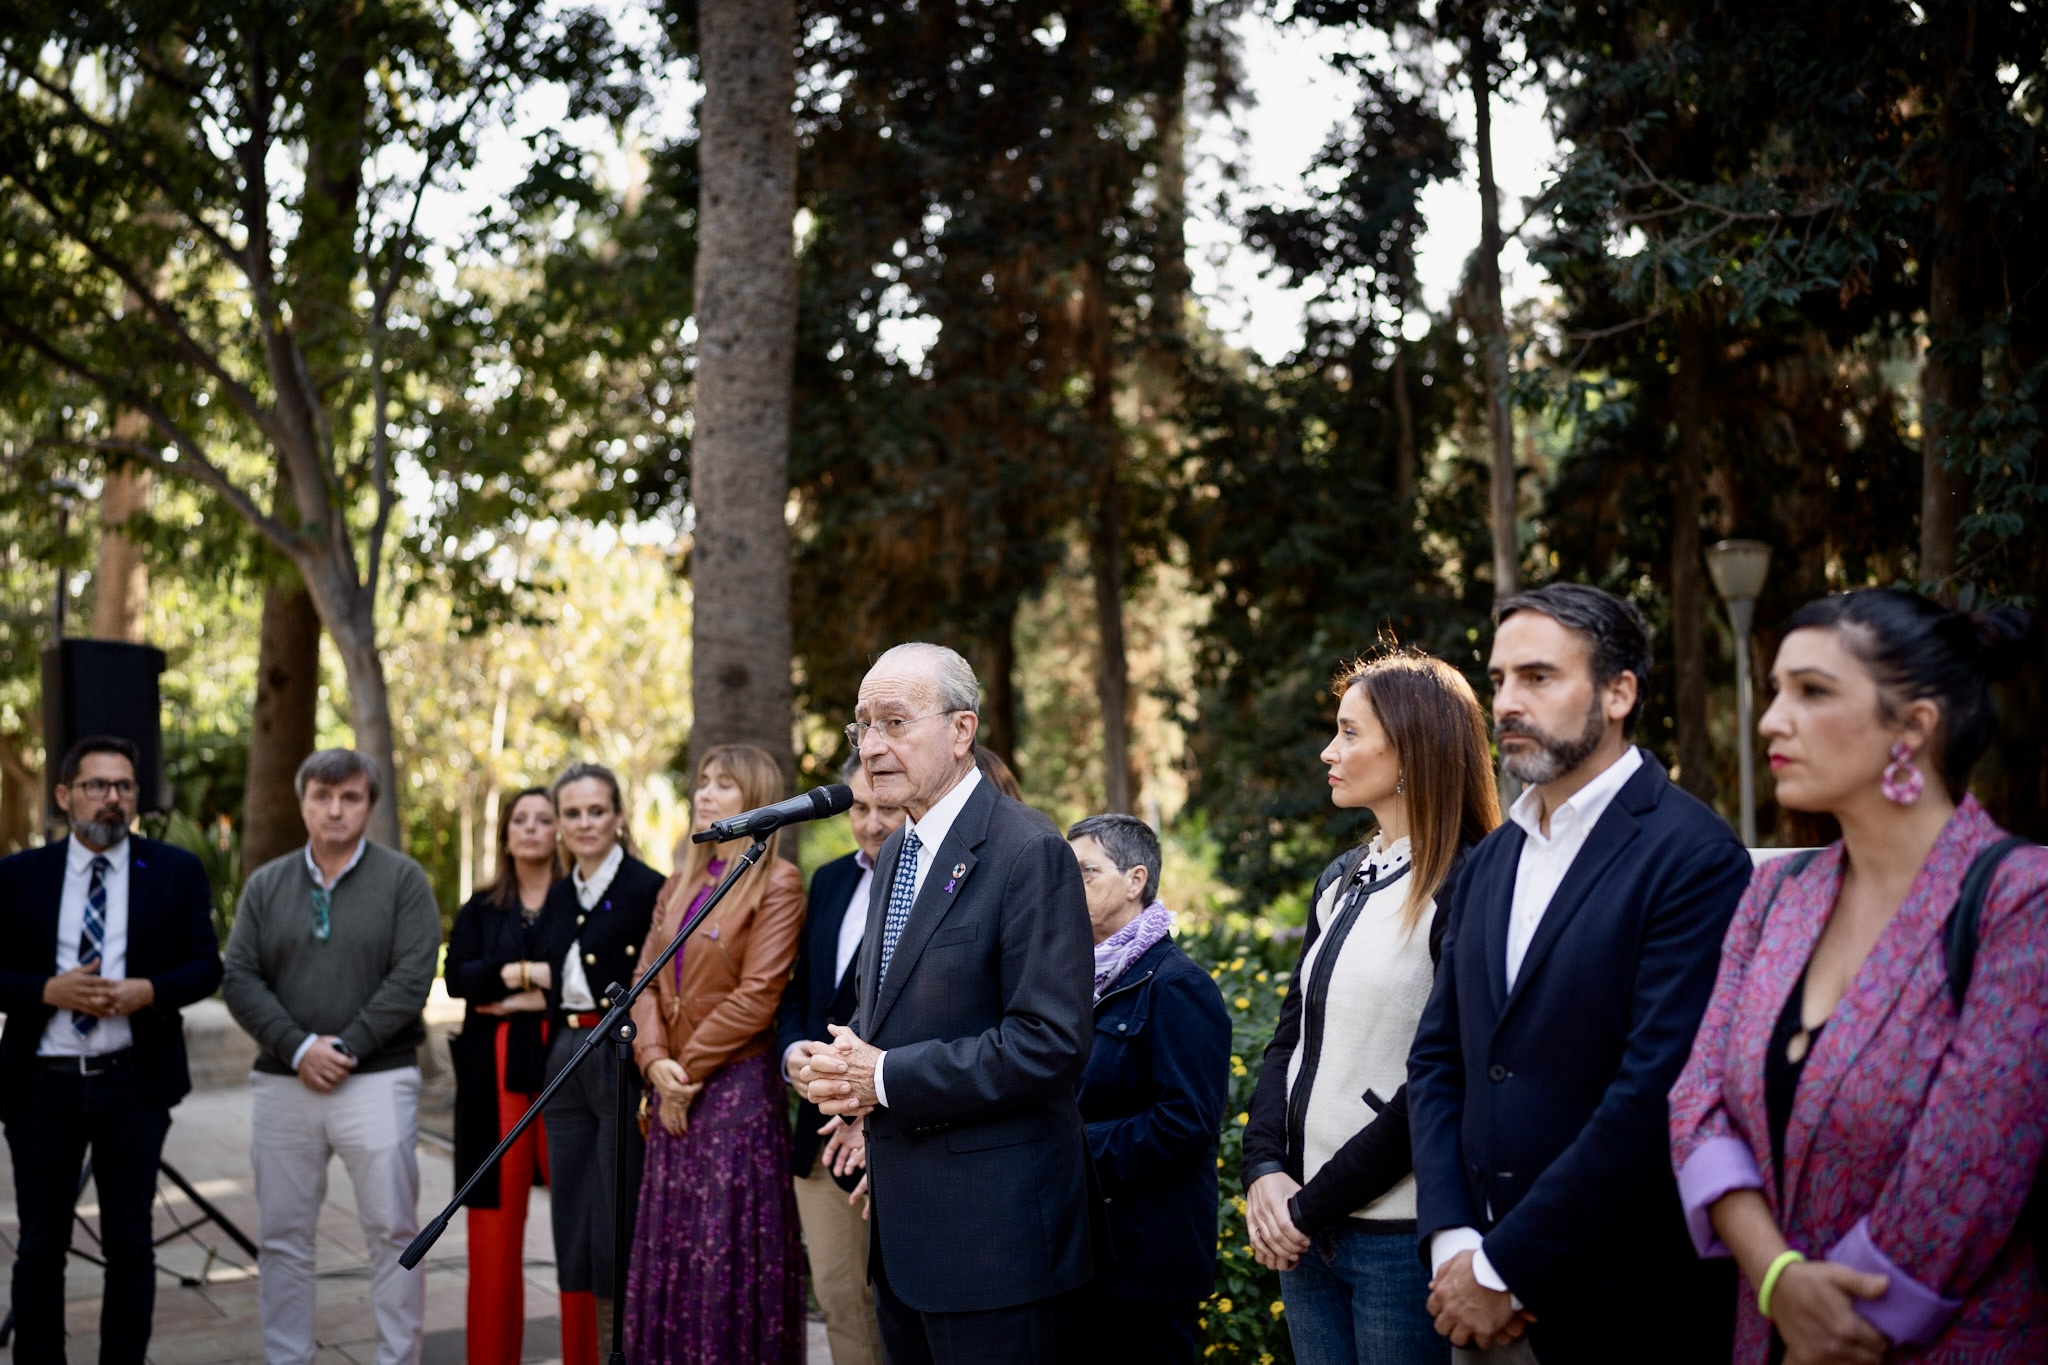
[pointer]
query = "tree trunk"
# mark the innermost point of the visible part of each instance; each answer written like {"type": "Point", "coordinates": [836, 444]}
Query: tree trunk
{"type": "Point", "coordinates": [999, 690]}
{"type": "Point", "coordinates": [1491, 320]}
{"type": "Point", "coordinates": [369, 710]}
{"type": "Point", "coordinates": [1688, 567]}
{"type": "Point", "coordinates": [1952, 376]}
{"type": "Point", "coordinates": [287, 709]}
{"type": "Point", "coordinates": [1112, 677]}
{"type": "Point", "coordinates": [746, 344]}
{"type": "Point", "coordinates": [1404, 424]}
{"type": "Point", "coordinates": [1171, 278]}
{"type": "Point", "coordinates": [120, 579]}
{"type": "Point", "coordinates": [21, 793]}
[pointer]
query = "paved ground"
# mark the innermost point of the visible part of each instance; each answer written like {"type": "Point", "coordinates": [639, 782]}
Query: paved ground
{"type": "Point", "coordinates": [213, 1321]}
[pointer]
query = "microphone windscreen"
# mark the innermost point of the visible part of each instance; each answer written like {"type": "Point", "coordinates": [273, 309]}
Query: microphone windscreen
{"type": "Point", "coordinates": [833, 800]}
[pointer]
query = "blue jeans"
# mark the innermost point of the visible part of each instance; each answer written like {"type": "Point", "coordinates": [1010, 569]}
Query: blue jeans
{"type": "Point", "coordinates": [1361, 1298]}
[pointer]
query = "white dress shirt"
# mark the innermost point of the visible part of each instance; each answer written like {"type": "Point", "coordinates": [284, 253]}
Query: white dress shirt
{"type": "Point", "coordinates": [853, 923]}
{"type": "Point", "coordinates": [61, 1037]}
{"type": "Point", "coordinates": [1545, 860]}
{"type": "Point", "coordinates": [931, 832]}
{"type": "Point", "coordinates": [577, 997]}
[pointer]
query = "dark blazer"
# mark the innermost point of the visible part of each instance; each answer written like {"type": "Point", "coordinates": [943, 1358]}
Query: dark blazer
{"type": "Point", "coordinates": [170, 941]}
{"type": "Point", "coordinates": [813, 999]}
{"type": "Point", "coordinates": [1153, 1096]}
{"type": "Point", "coordinates": [610, 933]}
{"type": "Point", "coordinates": [978, 1164]}
{"type": "Point", "coordinates": [1377, 1157]}
{"type": "Point", "coordinates": [484, 938]}
{"type": "Point", "coordinates": [1546, 1104]}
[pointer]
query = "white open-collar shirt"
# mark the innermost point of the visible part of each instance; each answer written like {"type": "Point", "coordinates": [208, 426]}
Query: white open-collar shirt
{"type": "Point", "coordinates": [61, 1037]}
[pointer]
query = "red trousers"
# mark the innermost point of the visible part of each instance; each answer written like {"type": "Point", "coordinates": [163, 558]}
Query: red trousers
{"type": "Point", "coordinates": [497, 1244]}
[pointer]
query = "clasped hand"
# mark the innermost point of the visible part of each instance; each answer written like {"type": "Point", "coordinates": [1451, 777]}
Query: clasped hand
{"type": "Point", "coordinates": [1276, 1243]}
{"type": "Point", "coordinates": [840, 1079]}
{"type": "Point", "coordinates": [82, 990]}
{"type": "Point", "coordinates": [677, 1091]}
{"type": "Point", "coordinates": [1813, 1306]}
{"type": "Point", "coordinates": [1468, 1312]}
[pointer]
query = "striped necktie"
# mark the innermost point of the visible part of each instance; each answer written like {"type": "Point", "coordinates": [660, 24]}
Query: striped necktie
{"type": "Point", "coordinates": [901, 894]}
{"type": "Point", "coordinates": [93, 942]}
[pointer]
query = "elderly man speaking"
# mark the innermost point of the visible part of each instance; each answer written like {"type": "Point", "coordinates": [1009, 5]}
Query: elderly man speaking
{"type": "Point", "coordinates": [975, 1016]}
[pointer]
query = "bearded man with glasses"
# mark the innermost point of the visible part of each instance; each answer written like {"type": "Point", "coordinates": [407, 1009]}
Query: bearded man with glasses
{"type": "Point", "coordinates": [104, 938]}
{"type": "Point", "coordinates": [328, 966]}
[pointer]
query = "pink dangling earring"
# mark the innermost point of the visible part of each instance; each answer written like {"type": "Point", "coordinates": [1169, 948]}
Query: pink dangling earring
{"type": "Point", "coordinates": [1902, 781]}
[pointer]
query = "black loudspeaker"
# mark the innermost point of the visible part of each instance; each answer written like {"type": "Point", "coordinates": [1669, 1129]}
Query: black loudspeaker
{"type": "Point", "coordinates": [105, 687]}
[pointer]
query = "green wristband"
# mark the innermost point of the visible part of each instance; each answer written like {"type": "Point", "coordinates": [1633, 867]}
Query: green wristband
{"type": "Point", "coordinates": [1763, 1292]}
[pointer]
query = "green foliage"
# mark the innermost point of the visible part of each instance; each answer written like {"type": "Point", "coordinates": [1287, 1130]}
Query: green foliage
{"type": "Point", "coordinates": [1243, 1320]}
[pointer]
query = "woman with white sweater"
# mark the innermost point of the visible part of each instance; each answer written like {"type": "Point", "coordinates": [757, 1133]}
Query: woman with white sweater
{"type": "Point", "coordinates": [1328, 1176]}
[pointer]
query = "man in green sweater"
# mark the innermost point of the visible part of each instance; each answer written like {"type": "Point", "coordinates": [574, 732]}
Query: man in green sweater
{"type": "Point", "coordinates": [332, 954]}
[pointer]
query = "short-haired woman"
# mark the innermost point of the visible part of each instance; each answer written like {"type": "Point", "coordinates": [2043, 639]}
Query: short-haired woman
{"type": "Point", "coordinates": [1862, 1146]}
{"type": "Point", "coordinates": [497, 961]}
{"type": "Point", "coordinates": [599, 914]}
{"type": "Point", "coordinates": [1327, 1168]}
{"type": "Point", "coordinates": [1152, 1097]}
{"type": "Point", "coordinates": [717, 1271]}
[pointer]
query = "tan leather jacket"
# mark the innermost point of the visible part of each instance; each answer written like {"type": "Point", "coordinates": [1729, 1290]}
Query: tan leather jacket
{"type": "Point", "coordinates": [735, 965]}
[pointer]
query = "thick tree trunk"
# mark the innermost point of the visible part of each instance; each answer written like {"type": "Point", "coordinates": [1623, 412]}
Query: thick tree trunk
{"type": "Point", "coordinates": [369, 711]}
{"type": "Point", "coordinates": [746, 343]}
{"type": "Point", "coordinates": [1688, 567]}
{"type": "Point", "coordinates": [999, 691]}
{"type": "Point", "coordinates": [120, 579]}
{"type": "Point", "coordinates": [287, 710]}
{"type": "Point", "coordinates": [1952, 376]}
{"type": "Point", "coordinates": [21, 793]}
{"type": "Point", "coordinates": [1171, 280]}
{"type": "Point", "coordinates": [1491, 324]}
{"type": "Point", "coordinates": [1112, 677]}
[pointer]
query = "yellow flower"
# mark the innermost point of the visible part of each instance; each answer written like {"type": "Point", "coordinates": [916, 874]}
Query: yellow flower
{"type": "Point", "coordinates": [1243, 1119]}
{"type": "Point", "coordinates": [1280, 991]}
{"type": "Point", "coordinates": [1260, 977]}
{"type": "Point", "coordinates": [1236, 1060]}
{"type": "Point", "coordinates": [1219, 1163]}
{"type": "Point", "coordinates": [1243, 1003]}
{"type": "Point", "coordinates": [1266, 1359]}
{"type": "Point", "coordinates": [1278, 1308]}
{"type": "Point", "coordinates": [1222, 1306]}
{"type": "Point", "coordinates": [1237, 1202]}
{"type": "Point", "coordinates": [1238, 965]}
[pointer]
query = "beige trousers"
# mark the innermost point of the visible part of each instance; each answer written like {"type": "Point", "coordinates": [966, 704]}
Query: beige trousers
{"type": "Point", "coordinates": [836, 1240]}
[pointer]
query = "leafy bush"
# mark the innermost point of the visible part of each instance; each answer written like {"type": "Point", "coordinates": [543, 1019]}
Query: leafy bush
{"type": "Point", "coordinates": [1252, 965]}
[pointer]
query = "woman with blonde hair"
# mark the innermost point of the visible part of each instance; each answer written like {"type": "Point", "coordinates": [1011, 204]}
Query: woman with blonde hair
{"type": "Point", "coordinates": [717, 1263]}
{"type": "Point", "coordinates": [1328, 1173]}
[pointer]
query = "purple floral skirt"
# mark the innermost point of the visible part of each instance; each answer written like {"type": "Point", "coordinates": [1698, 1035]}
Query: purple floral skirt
{"type": "Point", "coordinates": [717, 1268]}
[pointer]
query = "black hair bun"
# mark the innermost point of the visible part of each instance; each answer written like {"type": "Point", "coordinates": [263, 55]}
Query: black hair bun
{"type": "Point", "coordinates": [2008, 637]}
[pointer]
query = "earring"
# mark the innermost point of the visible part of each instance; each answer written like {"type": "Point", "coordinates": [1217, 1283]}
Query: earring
{"type": "Point", "coordinates": [1401, 785]}
{"type": "Point", "coordinates": [1902, 782]}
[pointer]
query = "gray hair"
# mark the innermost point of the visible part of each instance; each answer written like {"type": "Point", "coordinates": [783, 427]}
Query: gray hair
{"type": "Point", "coordinates": [848, 769]}
{"type": "Point", "coordinates": [954, 685]}
{"type": "Point", "coordinates": [1128, 841]}
{"type": "Point", "coordinates": [332, 767]}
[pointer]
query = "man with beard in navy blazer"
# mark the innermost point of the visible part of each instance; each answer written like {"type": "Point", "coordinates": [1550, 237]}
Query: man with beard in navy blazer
{"type": "Point", "coordinates": [1584, 937]}
{"type": "Point", "coordinates": [104, 937]}
{"type": "Point", "coordinates": [975, 1019]}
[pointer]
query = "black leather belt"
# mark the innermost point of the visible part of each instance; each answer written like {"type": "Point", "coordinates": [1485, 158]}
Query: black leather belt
{"type": "Point", "coordinates": [95, 1065]}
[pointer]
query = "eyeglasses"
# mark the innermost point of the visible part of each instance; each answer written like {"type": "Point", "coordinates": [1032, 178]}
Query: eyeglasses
{"type": "Point", "coordinates": [892, 730]}
{"type": "Point", "coordinates": [323, 901]}
{"type": "Point", "coordinates": [96, 787]}
{"type": "Point", "coordinates": [1089, 871]}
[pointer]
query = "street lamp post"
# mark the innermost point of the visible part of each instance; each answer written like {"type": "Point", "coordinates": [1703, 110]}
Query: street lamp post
{"type": "Point", "coordinates": [1738, 568]}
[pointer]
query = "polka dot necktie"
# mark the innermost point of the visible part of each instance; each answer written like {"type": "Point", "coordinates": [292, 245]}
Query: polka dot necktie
{"type": "Point", "coordinates": [901, 894]}
{"type": "Point", "coordinates": [93, 942]}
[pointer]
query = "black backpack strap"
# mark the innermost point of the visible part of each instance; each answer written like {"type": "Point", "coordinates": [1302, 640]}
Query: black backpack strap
{"type": "Point", "coordinates": [1959, 943]}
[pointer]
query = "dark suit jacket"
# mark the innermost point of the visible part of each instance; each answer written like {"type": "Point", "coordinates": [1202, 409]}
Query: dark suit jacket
{"type": "Point", "coordinates": [978, 1165]}
{"type": "Point", "coordinates": [484, 939]}
{"type": "Point", "coordinates": [610, 933]}
{"type": "Point", "coordinates": [813, 999]}
{"type": "Point", "coordinates": [170, 941]}
{"type": "Point", "coordinates": [1546, 1104]}
{"type": "Point", "coordinates": [1153, 1096]}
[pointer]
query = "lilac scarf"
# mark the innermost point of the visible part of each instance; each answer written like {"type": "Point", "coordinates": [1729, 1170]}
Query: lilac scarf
{"type": "Point", "coordinates": [1115, 954]}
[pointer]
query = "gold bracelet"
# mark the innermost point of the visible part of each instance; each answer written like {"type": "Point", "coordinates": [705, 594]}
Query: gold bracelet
{"type": "Point", "coordinates": [525, 977]}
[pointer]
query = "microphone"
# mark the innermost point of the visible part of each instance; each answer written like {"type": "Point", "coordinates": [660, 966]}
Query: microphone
{"type": "Point", "coordinates": [816, 804]}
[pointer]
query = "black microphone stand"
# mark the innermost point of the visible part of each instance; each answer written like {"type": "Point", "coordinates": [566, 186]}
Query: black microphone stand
{"type": "Point", "coordinates": [617, 1027]}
